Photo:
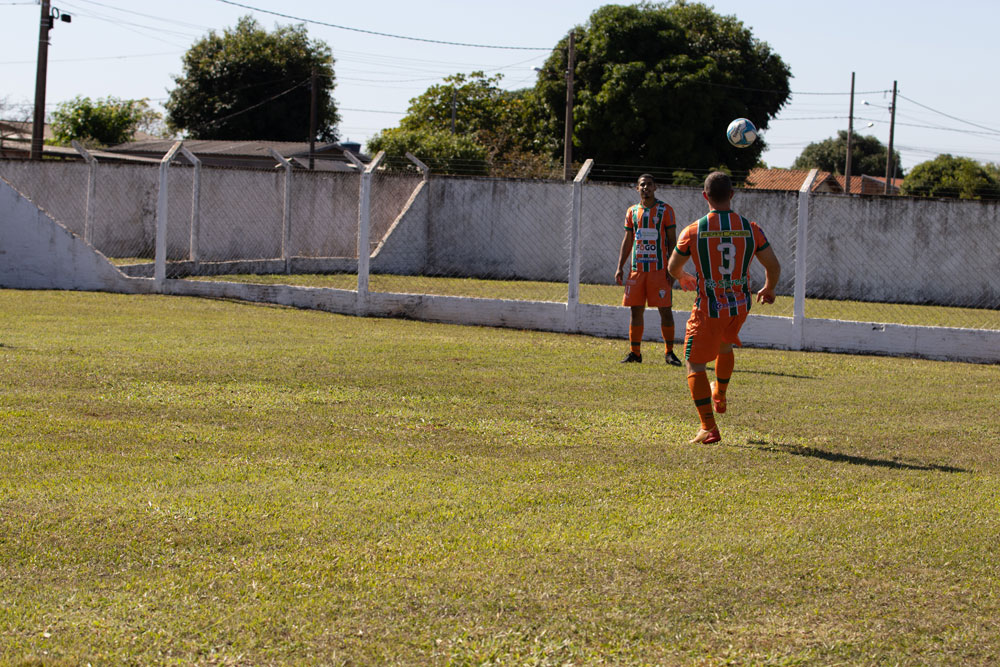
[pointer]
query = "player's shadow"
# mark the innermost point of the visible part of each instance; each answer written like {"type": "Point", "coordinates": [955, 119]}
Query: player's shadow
{"type": "Point", "coordinates": [833, 457]}
{"type": "Point", "coordinates": [784, 375]}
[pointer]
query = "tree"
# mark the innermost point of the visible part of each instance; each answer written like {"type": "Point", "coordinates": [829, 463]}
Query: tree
{"type": "Point", "coordinates": [104, 122]}
{"type": "Point", "coordinates": [500, 123]}
{"type": "Point", "coordinates": [251, 84]}
{"type": "Point", "coordinates": [441, 150]}
{"type": "Point", "coordinates": [657, 84]}
{"type": "Point", "coordinates": [867, 156]}
{"type": "Point", "coordinates": [954, 177]}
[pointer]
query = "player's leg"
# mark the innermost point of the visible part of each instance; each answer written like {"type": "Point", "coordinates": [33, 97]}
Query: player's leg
{"type": "Point", "coordinates": [667, 329]}
{"type": "Point", "coordinates": [701, 344]}
{"type": "Point", "coordinates": [635, 299]}
{"type": "Point", "coordinates": [724, 365]}
{"type": "Point", "coordinates": [726, 361]}
{"type": "Point", "coordinates": [636, 326]}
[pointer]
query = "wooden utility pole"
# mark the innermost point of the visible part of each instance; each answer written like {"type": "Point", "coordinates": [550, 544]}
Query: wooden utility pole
{"type": "Point", "coordinates": [850, 138]}
{"type": "Point", "coordinates": [568, 135]}
{"type": "Point", "coordinates": [38, 126]}
{"type": "Point", "coordinates": [889, 166]}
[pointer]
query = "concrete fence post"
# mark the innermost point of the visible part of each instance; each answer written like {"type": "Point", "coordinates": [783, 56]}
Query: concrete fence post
{"type": "Point", "coordinates": [162, 201]}
{"type": "Point", "coordinates": [364, 226]}
{"type": "Point", "coordinates": [424, 169]}
{"type": "Point", "coordinates": [801, 248]}
{"type": "Point", "coordinates": [88, 220]}
{"type": "Point", "coordinates": [286, 210]}
{"type": "Point", "coordinates": [573, 297]}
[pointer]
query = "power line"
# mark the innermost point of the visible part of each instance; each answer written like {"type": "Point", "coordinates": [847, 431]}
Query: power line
{"type": "Point", "coordinates": [981, 127]}
{"type": "Point", "coordinates": [384, 34]}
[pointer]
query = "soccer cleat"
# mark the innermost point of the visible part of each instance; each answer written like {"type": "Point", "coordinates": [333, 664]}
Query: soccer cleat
{"type": "Point", "coordinates": [671, 358]}
{"type": "Point", "coordinates": [632, 358]}
{"type": "Point", "coordinates": [719, 402]}
{"type": "Point", "coordinates": [706, 437]}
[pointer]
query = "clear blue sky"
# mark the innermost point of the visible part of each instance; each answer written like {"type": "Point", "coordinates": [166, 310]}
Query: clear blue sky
{"type": "Point", "coordinates": [942, 54]}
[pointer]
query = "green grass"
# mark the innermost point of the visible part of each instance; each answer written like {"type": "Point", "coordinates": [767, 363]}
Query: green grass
{"type": "Point", "coordinates": [202, 481]}
{"type": "Point", "coordinates": [611, 295]}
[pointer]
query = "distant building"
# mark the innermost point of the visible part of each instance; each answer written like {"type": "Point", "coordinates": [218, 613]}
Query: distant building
{"type": "Point", "coordinates": [792, 179]}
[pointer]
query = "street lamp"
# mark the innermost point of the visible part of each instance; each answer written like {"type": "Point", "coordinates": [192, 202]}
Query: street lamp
{"type": "Point", "coordinates": [48, 19]}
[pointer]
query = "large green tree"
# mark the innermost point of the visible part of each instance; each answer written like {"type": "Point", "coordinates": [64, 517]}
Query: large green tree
{"type": "Point", "coordinates": [441, 150]}
{"type": "Point", "coordinates": [868, 156]}
{"type": "Point", "coordinates": [657, 84]}
{"type": "Point", "coordinates": [248, 83]}
{"type": "Point", "coordinates": [468, 118]}
{"type": "Point", "coordinates": [103, 122]}
{"type": "Point", "coordinates": [953, 177]}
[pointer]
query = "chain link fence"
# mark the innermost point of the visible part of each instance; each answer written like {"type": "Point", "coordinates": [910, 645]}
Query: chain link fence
{"type": "Point", "coordinates": [461, 236]}
{"type": "Point", "coordinates": [867, 259]}
{"type": "Point", "coordinates": [903, 260]}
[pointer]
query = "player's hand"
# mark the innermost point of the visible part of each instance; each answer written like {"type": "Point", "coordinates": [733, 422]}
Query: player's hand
{"type": "Point", "coordinates": [765, 295]}
{"type": "Point", "coordinates": [618, 276]}
{"type": "Point", "coordinates": [688, 282]}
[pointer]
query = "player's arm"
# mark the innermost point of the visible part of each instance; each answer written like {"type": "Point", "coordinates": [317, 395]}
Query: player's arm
{"type": "Point", "coordinates": [675, 268]}
{"type": "Point", "coordinates": [671, 244]}
{"type": "Point", "coordinates": [772, 271]}
{"type": "Point", "coordinates": [623, 255]}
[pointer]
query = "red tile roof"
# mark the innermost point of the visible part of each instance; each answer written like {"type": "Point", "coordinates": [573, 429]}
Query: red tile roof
{"type": "Point", "coordinates": [791, 179]}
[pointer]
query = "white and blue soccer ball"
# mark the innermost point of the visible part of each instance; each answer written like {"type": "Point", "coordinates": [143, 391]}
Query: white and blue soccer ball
{"type": "Point", "coordinates": [741, 133]}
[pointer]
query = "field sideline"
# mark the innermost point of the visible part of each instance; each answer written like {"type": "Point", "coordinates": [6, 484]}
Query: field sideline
{"type": "Point", "coordinates": [211, 482]}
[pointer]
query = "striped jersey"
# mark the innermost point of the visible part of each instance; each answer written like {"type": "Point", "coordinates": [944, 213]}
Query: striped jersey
{"type": "Point", "coordinates": [650, 226]}
{"type": "Point", "coordinates": [722, 244]}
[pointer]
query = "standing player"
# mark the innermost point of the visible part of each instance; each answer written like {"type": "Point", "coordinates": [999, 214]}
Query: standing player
{"type": "Point", "coordinates": [650, 234]}
{"type": "Point", "coordinates": [721, 244]}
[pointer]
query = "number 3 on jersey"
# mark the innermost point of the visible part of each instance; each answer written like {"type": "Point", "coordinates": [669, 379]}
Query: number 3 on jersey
{"type": "Point", "coordinates": [727, 253]}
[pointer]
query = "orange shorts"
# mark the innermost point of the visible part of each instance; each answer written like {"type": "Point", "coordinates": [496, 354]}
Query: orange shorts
{"type": "Point", "coordinates": [704, 335]}
{"type": "Point", "coordinates": [648, 288]}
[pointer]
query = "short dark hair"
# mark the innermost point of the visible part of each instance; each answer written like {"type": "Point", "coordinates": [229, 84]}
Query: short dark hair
{"type": "Point", "coordinates": [718, 186]}
{"type": "Point", "coordinates": [642, 176]}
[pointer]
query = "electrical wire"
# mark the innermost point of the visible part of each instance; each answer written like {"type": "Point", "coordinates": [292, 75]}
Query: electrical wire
{"type": "Point", "coordinates": [384, 34]}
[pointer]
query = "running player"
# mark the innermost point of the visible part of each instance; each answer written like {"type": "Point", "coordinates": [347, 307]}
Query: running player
{"type": "Point", "coordinates": [650, 234]}
{"type": "Point", "coordinates": [721, 245]}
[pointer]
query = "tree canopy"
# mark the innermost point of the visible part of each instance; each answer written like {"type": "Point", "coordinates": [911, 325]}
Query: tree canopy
{"type": "Point", "coordinates": [953, 177]}
{"type": "Point", "coordinates": [104, 122]}
{"type": "Point", "coordinates": [469, 123]}
{"type": "Point", "coordinates": [868, 156]}
{"type": "Point", "coordinates": [248, 83]}
{"type": "Point", "coordinates": [657, 84]}
{"type": "Point", "coordinates": [441, 150]}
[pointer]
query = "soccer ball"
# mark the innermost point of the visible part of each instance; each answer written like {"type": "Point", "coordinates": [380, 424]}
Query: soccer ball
{"type": "Point", "coordinates": [741, 133]}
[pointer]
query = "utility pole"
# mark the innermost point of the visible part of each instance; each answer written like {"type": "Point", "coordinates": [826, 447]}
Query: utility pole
{"type": "Point", "coordinates": [850, 137]}
{"type": "Point", "coordinates": [46, 23]}
{"type": "Point", "coordinates": [312, 118]}
{"type": "Point", "coordinates": [568, 136]}
{"type": "Point", "coordinates": [38, 126]}
{"type": "Point", "coordinates": [889, 167]}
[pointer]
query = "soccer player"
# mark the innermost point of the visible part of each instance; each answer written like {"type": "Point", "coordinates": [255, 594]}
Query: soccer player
{"type": "Point", "coordinates": [721, 245]}
{"type": "Point", "coordinates": [650, 234]}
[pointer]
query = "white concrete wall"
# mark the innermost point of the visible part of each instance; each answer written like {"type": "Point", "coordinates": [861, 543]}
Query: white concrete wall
{"type": "Point", "coordinates": [36, 252]}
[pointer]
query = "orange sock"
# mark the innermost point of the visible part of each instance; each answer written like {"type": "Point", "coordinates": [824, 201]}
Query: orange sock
{"type": "Point", "coordinates": [723, 371]}
{"type": "Point", "coordinates": [701, 392]}
{"type": "Point", "coordinates": [668, 337]}
{"type": "Point", "coordinates": [635, 339]}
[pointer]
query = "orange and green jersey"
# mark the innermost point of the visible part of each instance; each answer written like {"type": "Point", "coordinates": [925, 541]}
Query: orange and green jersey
{"type": "Point", "coordinates": [721, 245]}
{"type": "Point", "coordinates": [650, 226]}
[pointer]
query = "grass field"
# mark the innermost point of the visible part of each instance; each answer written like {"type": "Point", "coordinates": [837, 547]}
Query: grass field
{"type": "Point", "coordinates": [211, 482]}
